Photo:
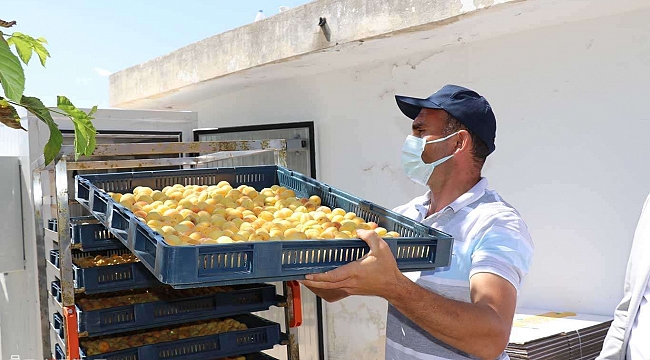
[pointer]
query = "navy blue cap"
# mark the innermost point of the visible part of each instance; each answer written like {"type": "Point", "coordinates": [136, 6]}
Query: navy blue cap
{"type": "Point", "coordinates": [467, 106]}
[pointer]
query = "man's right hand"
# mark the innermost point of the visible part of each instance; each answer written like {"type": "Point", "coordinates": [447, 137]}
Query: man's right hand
{"type": "Point", "coordinates": [328, 295]}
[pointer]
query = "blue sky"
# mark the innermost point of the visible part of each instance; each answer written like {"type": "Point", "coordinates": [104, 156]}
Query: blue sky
{"type": "Point", "coordinates": [92, 38]}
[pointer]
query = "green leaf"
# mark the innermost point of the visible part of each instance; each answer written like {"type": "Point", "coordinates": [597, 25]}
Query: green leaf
{"type": "Point", "coordinates": [53, 146]}
{"type": "Point", "coordinates": [92, 112]}
{"type": "Point", "coordinates": [41, 51]}
{"type": "Point", "coordinates": [27, 44]}
{"type": "Point", "coordinates": [23, 47]}
{"type": "Point", "coordinates": [42, 40]}
{"type": "Point", "coordinates": [84, 131]}
{"type": "Point", "coordinates": [12, 76]}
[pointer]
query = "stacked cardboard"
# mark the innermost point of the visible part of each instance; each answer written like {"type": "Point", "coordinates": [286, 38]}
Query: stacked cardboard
{"type": "Point", "coordinates": [548, 335]}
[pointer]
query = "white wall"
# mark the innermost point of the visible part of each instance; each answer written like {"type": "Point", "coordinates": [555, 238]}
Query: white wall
{"type": "Point", "coordinates": [572, 149]}
{"type": "Point", "coordinates": [19, 308]}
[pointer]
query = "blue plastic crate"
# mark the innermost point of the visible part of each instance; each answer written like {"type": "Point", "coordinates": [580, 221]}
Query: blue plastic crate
{"type": "Point", "coordinates": [260, 335]}
{"type": "Point", "coordinates": [243, 299]}
{"type": "Point", "coordinates": [54, 257]}
{"type": "Point", "coordinates": [113, 278]}
{"type": "Point", "coordinates": [57, 324]}
{"type": "Point", "coordinates": [52, 224]}
{"type": "Point", "coordinates": [57, 321]}
{"type": "Point", "coordinates": [59, 354]}
{"type": "Point", "coordinates": [55, 290]}
{"type": "Point", "coordinates": [419, 248]}
{"type": "Point", "coordinates": [92, 237]}
{"type": "Point", "coordinates": [86, 234]}
{"type": "Point", "coordinates": [110, 278]}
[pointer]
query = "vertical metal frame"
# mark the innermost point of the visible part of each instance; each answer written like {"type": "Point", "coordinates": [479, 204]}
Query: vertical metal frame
{"type": "Point", "coordinates": [43, 295]}
{"type": "Point", "coordinates": [63, 224]}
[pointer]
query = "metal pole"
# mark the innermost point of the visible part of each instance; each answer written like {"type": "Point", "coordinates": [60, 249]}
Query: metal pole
{"type": "Point", "coordinates": [37, 194]}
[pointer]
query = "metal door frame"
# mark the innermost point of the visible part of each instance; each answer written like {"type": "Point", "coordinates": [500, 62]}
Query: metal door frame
{"type": "Point", "coordinates": [276, 126]}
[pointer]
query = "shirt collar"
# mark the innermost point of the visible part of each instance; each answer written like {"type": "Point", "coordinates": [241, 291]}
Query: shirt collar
{"type": "Point", "coordinates": [467, 198]}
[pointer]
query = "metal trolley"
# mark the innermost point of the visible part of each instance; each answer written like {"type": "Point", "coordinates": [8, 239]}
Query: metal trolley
{"type": "Point", "coordinates": [55, 211]}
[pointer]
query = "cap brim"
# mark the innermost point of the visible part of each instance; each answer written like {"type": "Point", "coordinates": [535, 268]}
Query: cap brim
{"type": "Point", "coordinates": [411, 106]}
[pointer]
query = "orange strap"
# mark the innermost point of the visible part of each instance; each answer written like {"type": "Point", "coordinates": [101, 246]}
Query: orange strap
{"type": "Point", "coordinates": [71, 333]}
{"type": "Point", "coordinates": [296, 319]}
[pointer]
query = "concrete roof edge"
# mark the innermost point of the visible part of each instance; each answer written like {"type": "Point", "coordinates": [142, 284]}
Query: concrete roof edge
{"type": "Point", "coordinates": [284, 37]}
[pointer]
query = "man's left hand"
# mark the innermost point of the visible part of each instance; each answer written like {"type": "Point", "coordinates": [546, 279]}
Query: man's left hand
{"type": "Point", "coordinates": [375, 274]}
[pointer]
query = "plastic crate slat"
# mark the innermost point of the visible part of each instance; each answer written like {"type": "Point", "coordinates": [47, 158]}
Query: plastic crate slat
{"type": "Point", "coordinates": [243, 299]}
{"type": "Point", "coordinates": [419, 247]}
{"type": "Point", "coordinates": [260, 335]}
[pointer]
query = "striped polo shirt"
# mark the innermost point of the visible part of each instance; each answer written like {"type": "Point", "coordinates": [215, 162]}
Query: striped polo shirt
{"type": "Point", "coordinates": [489, 236]}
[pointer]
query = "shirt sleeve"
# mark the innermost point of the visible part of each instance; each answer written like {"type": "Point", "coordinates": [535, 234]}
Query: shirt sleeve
{"type": "Point", "coordinates": [505, 249]}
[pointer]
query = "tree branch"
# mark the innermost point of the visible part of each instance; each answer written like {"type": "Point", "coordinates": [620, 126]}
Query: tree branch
{"type": "Point", "coordinates": [30, 110]}
{"type": "Point", "coordinates": [7, 24]}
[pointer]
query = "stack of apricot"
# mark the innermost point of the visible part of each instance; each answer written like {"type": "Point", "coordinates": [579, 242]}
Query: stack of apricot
{"type": "Point", "coordinates": [104, 260]}
{"type": "Point", "coordinates": [116, 343]}
{"type": "Point", "coordinates": [221, 214]}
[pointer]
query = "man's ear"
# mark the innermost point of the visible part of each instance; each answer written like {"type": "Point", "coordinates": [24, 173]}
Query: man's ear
{"type": "Point", "coordinates": [463, 141]}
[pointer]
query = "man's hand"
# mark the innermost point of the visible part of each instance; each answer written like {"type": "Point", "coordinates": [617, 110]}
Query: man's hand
{"type": "Point", "coordinates": [375, 274]}
{"type": "Point", "coordinates": [328, 295]}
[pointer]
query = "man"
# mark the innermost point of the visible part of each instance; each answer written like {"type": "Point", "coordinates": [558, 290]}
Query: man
{"type": "Point", "coordinates": [463, 311]}
{"type": "Point", "coordinates": [628, 337]}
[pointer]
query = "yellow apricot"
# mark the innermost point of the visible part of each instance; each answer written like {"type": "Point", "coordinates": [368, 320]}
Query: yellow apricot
{"type": "Point", "coordinates": [153, 215]}
{"type": "Point", "coordinates": [167, 230]}
{"type": "Point", "coordinates": [381, 231]}
{"type": "Point", "coordinates": [338, 211]}
{"type": "Point", "coordinates": [255, 237]}
{"type": "Point", "coordinates": [239, 237]}
{"type": "Point", "coordinates": [341, 235]}
{"type": "Point", "coordinates": [298, 235]}
{"type": "Point", "coordinates": [172, 240]}
{"type": "Point", "coordinates": [315, 199]}
{"type": "Point", "coordinates": [225, 240]}
{"type": "Point", "coordinates": [312, 234]}
{"type": "Point", "coordinates": [324, 209]}
{"type": "Point", "coordinates": [196, 236]}
{"type": "Point", "coordinates": [348, 225]}
{"type": "Point", "coordinates": [215, 234]}
{"type": "Point", "coordinates": [338, 218]}
{"type": "Point", "coordinates": [328, 234]}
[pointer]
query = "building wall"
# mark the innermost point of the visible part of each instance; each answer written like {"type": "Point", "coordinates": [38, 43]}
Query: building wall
{"type": "Point", "coordinates": [572, 149]}
{"type": "Point", "coordinates": [19, 308]}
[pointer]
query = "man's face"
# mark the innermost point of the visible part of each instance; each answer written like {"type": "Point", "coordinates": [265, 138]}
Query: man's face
{"type": "Point", "coordinates": [430, 125]}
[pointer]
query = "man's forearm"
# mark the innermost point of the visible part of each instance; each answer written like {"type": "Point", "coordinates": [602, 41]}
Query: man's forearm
{"type": "Point", "coordinates": [473, 328]}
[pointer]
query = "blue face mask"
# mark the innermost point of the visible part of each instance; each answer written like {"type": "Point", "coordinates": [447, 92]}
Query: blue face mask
{"type": "Point", "coordinates": [416, 169]}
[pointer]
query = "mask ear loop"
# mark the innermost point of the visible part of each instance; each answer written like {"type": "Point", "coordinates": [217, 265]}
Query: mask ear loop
{"type": "Point", "coordinates": [441, 139]}
{"type": "Point", "coordinates": [459, 144]}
